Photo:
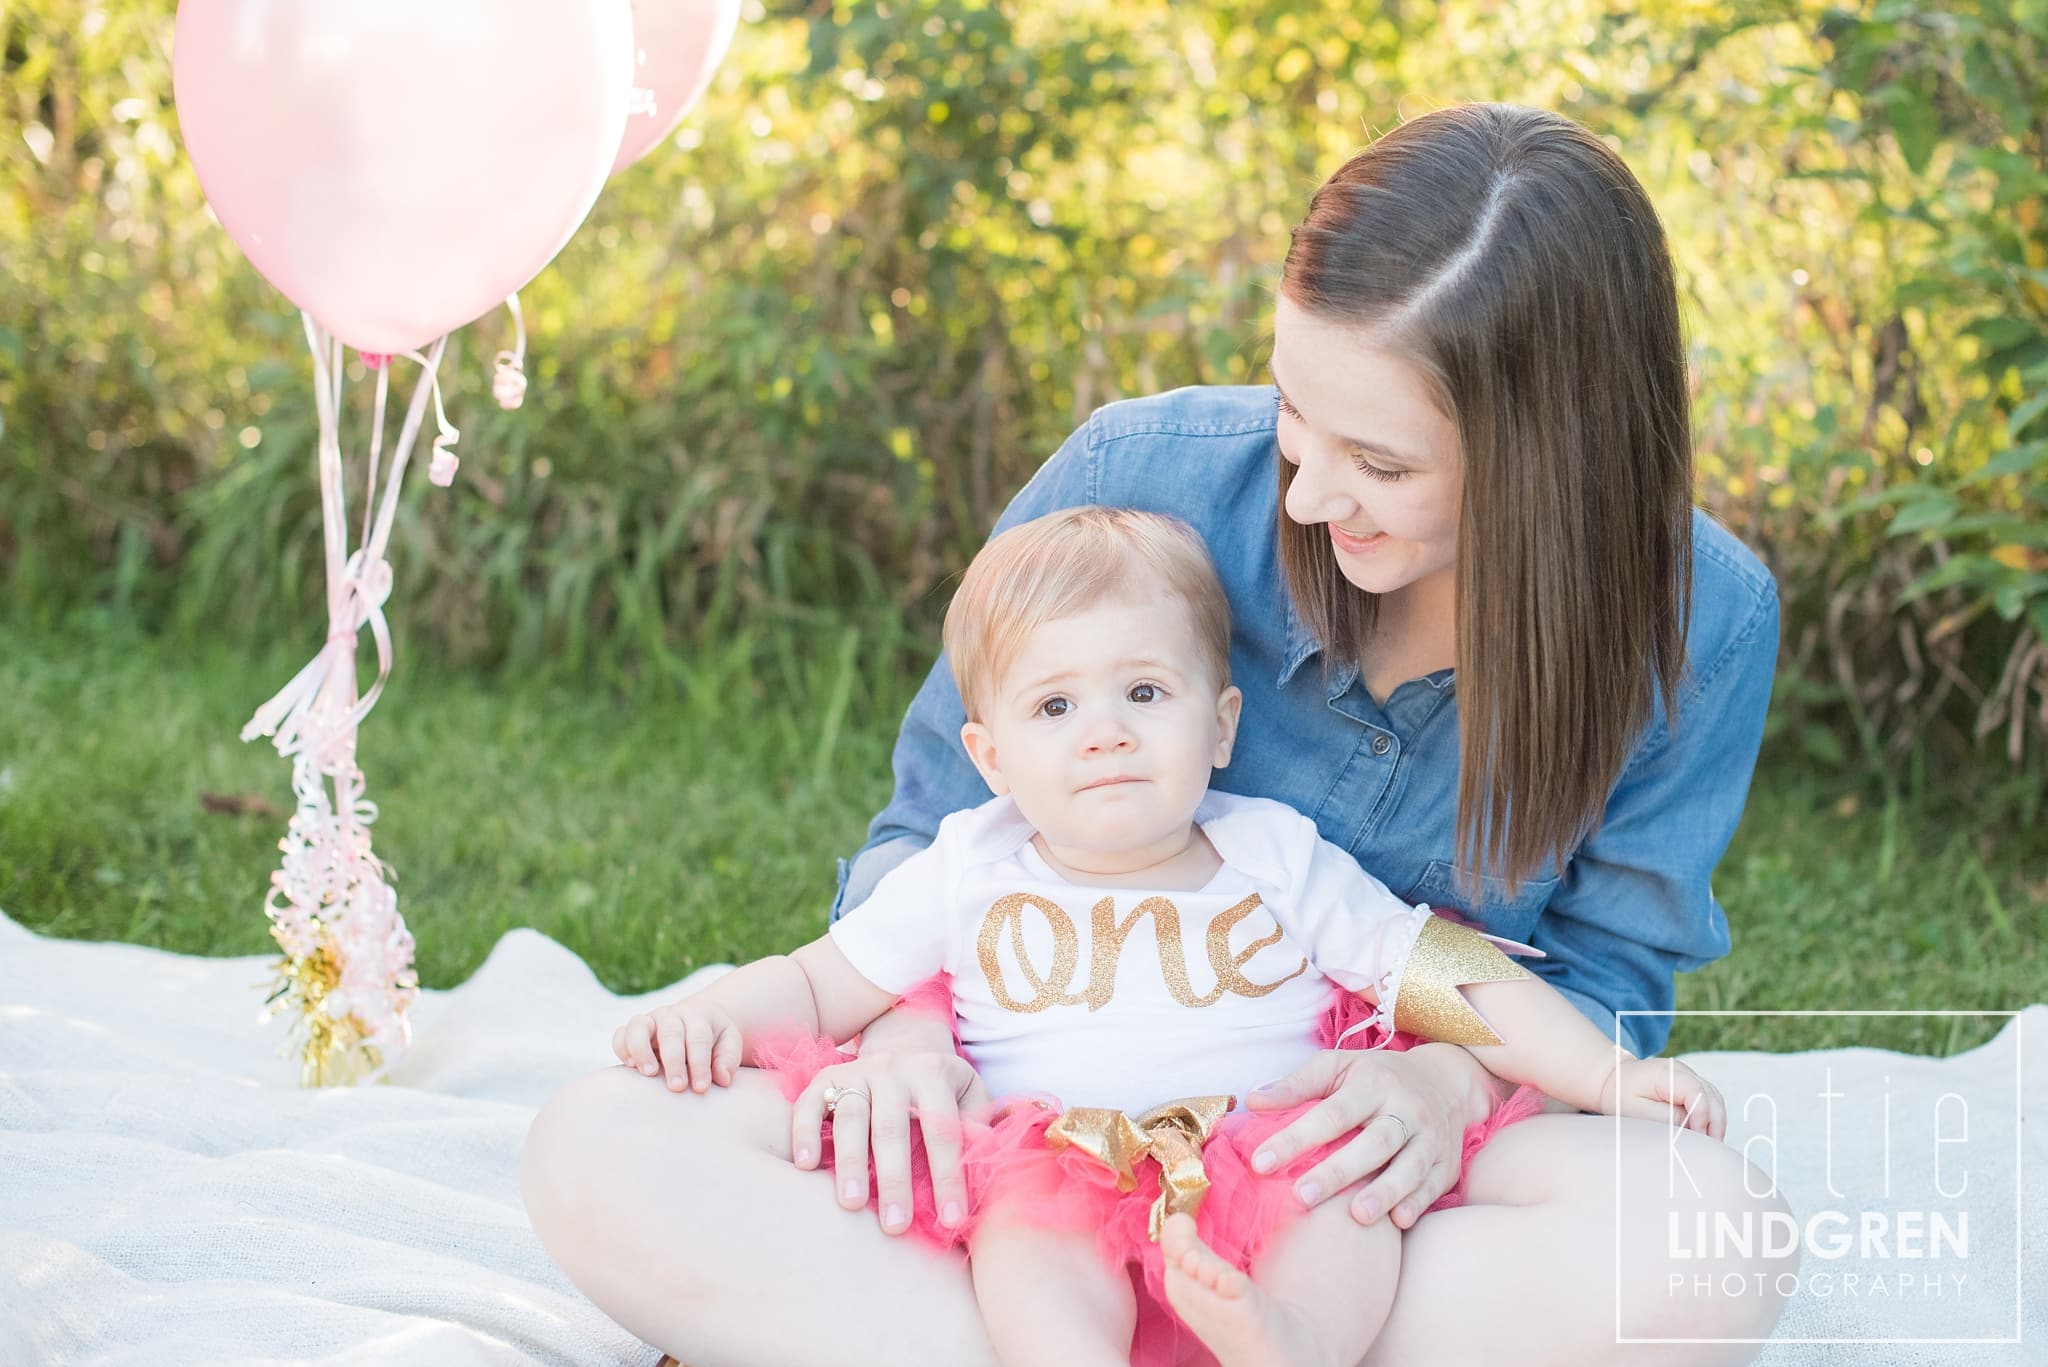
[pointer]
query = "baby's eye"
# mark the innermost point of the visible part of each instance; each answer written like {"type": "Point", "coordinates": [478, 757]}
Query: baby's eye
{"type": "Point", "coordinates": [1145, 692]}
{"type": "Point", "coordinates": [1055, 706]}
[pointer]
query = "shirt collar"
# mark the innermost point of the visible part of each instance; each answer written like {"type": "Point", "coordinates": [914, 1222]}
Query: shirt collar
{"type": "Point", "coordinates": [996, 830]}
{"type": "Point", "coordinates": [1301, 643]}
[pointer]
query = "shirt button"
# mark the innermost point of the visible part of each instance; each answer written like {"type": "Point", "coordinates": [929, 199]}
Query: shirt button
{"type": "Point", "coordinates": [1380, 745]}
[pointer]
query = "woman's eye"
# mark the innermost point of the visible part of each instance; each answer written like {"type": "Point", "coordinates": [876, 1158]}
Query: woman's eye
{"type": "Point", "coordinates": [1358, 459]}
{"type": "Point", "coordinates": [1371, 471]}
{"type": "Point", "coordinates": [1144, 692]}
{"type": "Point", "coordinates": [1054, 707]}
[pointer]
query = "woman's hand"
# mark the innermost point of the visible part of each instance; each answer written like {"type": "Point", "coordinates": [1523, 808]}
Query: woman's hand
{"type": "Point", "coordinates": [904, 1072]}
{"type": "Point", "coordinates": [1428, 1088]}
{"type": "Point", "coordinates": [1666, 1090]}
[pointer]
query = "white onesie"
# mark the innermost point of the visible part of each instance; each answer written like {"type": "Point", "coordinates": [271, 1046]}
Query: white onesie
{"type": "Point", "coordinates": [1127, 997]}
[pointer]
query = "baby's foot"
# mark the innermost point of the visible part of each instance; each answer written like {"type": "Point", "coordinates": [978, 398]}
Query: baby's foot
{"type": "Point", "coordinates": [1234, 1318]}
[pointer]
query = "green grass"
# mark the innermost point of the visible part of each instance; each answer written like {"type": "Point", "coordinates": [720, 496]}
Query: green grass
{"type": "Point", "coordinates": [655, 827]}
{"type": "Point", "coordinates": [1841, 895]}
{"type": "Point", "coordinates": [652, 832]}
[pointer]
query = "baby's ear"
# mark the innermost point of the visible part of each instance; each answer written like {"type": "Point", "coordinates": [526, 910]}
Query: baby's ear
{"type": "Point", "coordinates": [1229, 706]}
{"type": "Point", "coordinates": [981, 749]}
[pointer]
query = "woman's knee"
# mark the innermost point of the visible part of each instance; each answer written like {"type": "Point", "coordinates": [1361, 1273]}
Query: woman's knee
{"type": "Point", "coordinates": [1697, 1252]}
{"type": "Point", "coordinates": [595, 1139]}
{"type": "Point", "coordinates": [564, 1163]}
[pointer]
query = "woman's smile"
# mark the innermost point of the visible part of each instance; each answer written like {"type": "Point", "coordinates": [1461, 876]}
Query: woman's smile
{"type": "Point", "coordinates": [1356, 545]}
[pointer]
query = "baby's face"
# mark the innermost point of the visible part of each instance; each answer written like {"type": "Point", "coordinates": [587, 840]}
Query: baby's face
{"type": "Point", "coordinates": [1107, 727]}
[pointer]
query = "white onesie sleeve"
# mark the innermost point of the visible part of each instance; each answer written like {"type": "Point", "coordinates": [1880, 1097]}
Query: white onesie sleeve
{"type": "Point", "coordinates": [900, 935]}
{"type": "Point", "coordinates": [1356, 931]}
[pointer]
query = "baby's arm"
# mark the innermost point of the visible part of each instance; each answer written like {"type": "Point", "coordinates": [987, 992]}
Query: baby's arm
{"type": "Point", "coordinates": [1545, 1041]}
{"type": "Point", "coordinates": [701, 1039]}
{"type": "Point", "coordinates": [1367, 939]}
{"type": "Point", "coordinates": [900, 930]}
{"type": "Point", "coordinates": [1548, 1043]}
{"type": "Point", "coordinates": [814, 988]}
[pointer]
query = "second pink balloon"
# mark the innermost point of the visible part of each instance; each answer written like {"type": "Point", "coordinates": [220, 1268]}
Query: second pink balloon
{"type": "Point", "coordinates": [679, 44]}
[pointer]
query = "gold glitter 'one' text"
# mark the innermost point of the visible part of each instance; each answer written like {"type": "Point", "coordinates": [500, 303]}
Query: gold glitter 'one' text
{"type": "Point", "coordinates": [1107, 936]}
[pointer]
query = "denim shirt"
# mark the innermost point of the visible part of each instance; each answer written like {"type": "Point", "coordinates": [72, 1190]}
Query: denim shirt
{"type": "Point", "coordinates": [1633, 905]}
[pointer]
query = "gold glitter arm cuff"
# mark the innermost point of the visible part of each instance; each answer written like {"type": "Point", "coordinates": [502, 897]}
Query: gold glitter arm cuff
{"type": "Point", "coordinates": [1445, 957]}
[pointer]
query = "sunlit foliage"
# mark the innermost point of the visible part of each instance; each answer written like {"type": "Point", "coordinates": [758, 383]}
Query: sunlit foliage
{"type": "Point", "coordinates": [796, 360]}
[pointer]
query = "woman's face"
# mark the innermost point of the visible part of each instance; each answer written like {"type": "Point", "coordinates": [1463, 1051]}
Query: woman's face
{"type": "Point", "coordinates": [1375, 460]}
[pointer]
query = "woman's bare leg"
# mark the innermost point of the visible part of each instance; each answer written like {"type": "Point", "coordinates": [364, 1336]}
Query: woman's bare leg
{"type": "Point", "coordinates": [682, 1217]}
{"type": "Point", "coordinates": [1047, 1297]}
{"type": "Point", "coordinates": [1528, 1270]}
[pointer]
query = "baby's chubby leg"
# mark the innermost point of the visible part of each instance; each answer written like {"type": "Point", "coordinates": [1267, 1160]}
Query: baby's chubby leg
{"type": "Point", "coordinates": [1317, 1297]}
{"type": "Point", "coordinates": [1047, 1297]}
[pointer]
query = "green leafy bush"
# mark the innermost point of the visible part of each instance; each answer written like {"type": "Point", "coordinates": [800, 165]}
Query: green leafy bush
{"type": "Point", "coordinates": [796, 360]}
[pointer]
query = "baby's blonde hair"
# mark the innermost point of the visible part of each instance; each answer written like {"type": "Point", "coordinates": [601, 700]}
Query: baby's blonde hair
{"type": "Point", "coordinates": [1066, 562]}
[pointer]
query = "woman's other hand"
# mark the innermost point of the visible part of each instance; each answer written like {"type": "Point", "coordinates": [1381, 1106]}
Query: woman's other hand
{"type": "Point", "coordinates": [1430, 1089]}
{"type": "Point", "coordinates": [907, 1070]}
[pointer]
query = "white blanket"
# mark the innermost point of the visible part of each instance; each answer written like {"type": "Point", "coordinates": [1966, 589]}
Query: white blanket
{"type": "Point", "coordinates": [169, 1195]}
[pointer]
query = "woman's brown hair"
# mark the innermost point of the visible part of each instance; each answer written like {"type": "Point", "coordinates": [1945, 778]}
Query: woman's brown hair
{"type": "Point", "coordinates": [1513, 259]}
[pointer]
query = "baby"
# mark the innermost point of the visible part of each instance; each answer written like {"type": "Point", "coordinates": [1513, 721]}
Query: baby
{"type": "Point", "coordinates": [1091, 650]}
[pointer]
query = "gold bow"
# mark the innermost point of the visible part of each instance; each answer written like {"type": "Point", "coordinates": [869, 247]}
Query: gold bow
{"type": "Point", "coordinates": [1171, 1134]}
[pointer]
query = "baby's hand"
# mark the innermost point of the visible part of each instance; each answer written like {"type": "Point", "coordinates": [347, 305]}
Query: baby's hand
{"type": "Point", "coordinates": [1667, 1090]}
{"type": "Point", "coordinates": [696, 1042]}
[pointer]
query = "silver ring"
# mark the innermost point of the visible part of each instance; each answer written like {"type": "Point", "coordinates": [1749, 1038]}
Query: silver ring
{"type": "Point", "coordinates": [1389, 1115]}
{"type": "Point", "coordinates": [834, 1094]}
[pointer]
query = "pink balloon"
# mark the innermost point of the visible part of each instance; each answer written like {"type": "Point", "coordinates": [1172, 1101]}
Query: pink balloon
{"type": "Point", "coordinates": [680, 44]}
{"type": "Point", "coordinates": [397, 167]}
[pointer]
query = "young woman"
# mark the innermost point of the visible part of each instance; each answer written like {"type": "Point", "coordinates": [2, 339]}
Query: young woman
{"type": "Point", "coordinates": [1488, 646]}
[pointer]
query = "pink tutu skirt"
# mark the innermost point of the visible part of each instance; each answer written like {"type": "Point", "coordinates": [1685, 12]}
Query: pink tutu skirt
{"type": "Point", "coordinates": [1010, 1159]}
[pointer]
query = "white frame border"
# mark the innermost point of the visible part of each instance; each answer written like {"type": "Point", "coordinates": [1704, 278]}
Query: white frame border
{"type": "Point", "coordinates": [2019, 1187]}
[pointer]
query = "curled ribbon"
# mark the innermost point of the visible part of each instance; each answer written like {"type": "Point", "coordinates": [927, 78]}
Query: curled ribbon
{"type": "Point", "coordinates": [508, 373]}
{"type": "Point", "coordinates": [1171, 1134]}
{"type": "Point", "coordinates": [508, 381]}
{"type": "Point", "coordinates": [365, 586]}
{"type": "Point", "coordinates": [347, 978]}
{"type": "Point", "coordinates": [441, 469]}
